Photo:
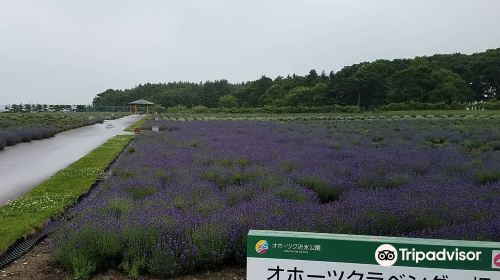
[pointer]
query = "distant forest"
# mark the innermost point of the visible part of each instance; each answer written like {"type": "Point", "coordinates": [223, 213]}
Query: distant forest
{"type": "Point", "coordinates": [444, 78]}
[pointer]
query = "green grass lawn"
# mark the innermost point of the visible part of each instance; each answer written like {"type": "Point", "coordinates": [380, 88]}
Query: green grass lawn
{"type": "Point", "coordinates": [28, 213]}
{"type": "Point", "coordinates": [137, 124]}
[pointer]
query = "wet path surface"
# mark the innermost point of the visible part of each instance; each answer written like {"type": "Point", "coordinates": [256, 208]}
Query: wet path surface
{"type": "Point", "coordinates": [25, 165]}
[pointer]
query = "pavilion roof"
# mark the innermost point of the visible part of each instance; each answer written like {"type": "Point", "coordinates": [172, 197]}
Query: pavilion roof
{"type": "Point", "coordinates": [141, 102]}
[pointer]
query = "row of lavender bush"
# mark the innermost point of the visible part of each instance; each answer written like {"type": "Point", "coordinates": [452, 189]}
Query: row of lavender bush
{"type": "Point", "coordinates": [184, 199]}
{"type": "Point", "coordinates": [25, 127]}
{"type": "Point", "coordinates": [9, 137]}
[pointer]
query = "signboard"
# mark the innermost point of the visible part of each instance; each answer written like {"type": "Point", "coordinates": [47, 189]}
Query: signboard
{"type": "Point", "coordinates": [278, 255]}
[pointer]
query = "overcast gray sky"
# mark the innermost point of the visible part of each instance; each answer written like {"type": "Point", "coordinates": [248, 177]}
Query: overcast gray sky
{"type": "Point", "coordinates": [62, 51]}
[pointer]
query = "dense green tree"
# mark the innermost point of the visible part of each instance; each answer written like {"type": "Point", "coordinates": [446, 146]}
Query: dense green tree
{"type": "Point", "coordinates": [371, 82]}
{"type": "Point", "coordinates": [298, 96]}
{"type": "Point", "coordinates": [484, 75]}
{"type": "Point", "coordinates": [411, 84]}
{"type": "Point", "coordinates": [438, 78]}
{"type": "Point", "coordinates": [425, 83]}
{"type": "Point", "coordinates": [318, 95]}
{"type": "Point", "coordinates": [273, 95]}
{"type": "Point", "coordinates": [311, 78]}
{"type": "Point", "coordinates": [346, 90]}
{"type": "Point", "coordinates": [450, 87]}
{"type": "Point", "coordinates": [228, 101]}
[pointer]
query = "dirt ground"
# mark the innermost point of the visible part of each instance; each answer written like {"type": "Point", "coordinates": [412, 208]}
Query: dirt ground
{"type": "Point", "coordinates": [38, 265]}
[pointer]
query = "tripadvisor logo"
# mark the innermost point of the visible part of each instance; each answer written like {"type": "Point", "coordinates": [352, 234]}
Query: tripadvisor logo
{"type": "Point", "coordinates": [387, 255]}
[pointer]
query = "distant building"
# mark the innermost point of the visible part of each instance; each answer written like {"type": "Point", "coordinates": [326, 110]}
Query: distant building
{"type": "Point", "coordinates": [140, 106]}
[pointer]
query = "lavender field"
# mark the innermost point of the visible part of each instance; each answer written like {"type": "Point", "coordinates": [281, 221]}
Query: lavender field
{"type": "Point", "coordinates": [184, 199]}
{"type": "Point", "coordinates": [25, 127]}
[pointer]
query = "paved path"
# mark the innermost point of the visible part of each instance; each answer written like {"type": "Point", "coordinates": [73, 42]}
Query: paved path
{"type": "Point", "coordinates": [25, 165]}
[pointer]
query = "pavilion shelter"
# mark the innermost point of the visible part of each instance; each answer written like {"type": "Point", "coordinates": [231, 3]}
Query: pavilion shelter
{"type": "Point", "coordinates": [141, 106]}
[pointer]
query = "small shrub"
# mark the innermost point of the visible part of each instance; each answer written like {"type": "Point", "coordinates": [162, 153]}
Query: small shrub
{"type": "Point", "coordinates": [211, 244]}
{"type": "Point", "coordinates": [116, 207]}
{"type": "Point", "coordinates": [424, 221]}
{"type": "Point", "coordinates": [377, 139]}
{"type": "Point", "coordinates": [216, 177]}
{"type": "Point", "coordinates": [238, 195]}
{"type": "Point", "coordinates": [200, 109]}
{"type": "Point", "coordinates": [271, 182]}
{"type": "Point", "coordinates": [383, 222]}
{"type": "Point", "coordinates": [242, 177]}
{"type": "Point", "coordinates": [207, 206]}
{"type": "Point", "coordinates": [486, 177]}
{"type": "Point", "coordinates": [495, 145]}
{"type": "Point", "coordinates": [233, 162]}
{"type": "Point", "coordinates": [140, 192]}
{"type": "Point", "coordinates": [474, 145]}
{"type": "Point", "coordinates": [456, 169]}
{"type": "Point", "coordinates": [438, 140]}
{"type": "Point", "coordinates": [477, 163]}
{"type": "Point", "coordinates": [289, 167]}
{"type": "Point", "coordinates": [193, 144]}
{"type": "Point", "coordinates": [397, 181]}
{"type": "Point", "coordinates": [180, 202]}
{"type": "Point", "coordinates": [291, 195]}
{"type": "Point", "coordinates": [370, 183]}
{"type": "Point", "coordinates": [138, 242]}
{"type": "Point", "coordinates": [336, 146]}
{"type": "Point", "coordinates": [223, 179]}
{"type": "Point", "coordinates": [164, 263]}
{"type": "Point", "coordinates": [87, 251]}
{"type": "Point", "coordinates": [421, 168]}
{"type": "Point", "coordinates": [177, 109]}
{"type": "Point", "coordinates": [326, 193]}
{"type": "Point", "coordinates": [123, 173]}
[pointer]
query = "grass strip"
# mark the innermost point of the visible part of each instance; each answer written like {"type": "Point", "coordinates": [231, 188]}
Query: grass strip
{"type": "Point", "coordinates": [137, 124]}
{"type": "Point", "coordinates": [28, 213]}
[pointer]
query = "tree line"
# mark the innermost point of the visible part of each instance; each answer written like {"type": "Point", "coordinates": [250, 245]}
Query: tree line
{"type": "Point", "coordinates": [442, 78]}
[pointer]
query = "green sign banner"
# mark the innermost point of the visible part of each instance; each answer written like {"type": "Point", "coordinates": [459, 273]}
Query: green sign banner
{"type": "Point", "coordinates": [275, 255]}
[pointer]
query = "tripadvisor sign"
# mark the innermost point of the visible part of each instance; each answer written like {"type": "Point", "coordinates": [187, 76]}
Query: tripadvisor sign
{"type": "Point", "coordinates": [442, 255]}
{"type": "Point", "coordinates": [274, 255]}
{"type": "Point", "coordinates": [387, 255]}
